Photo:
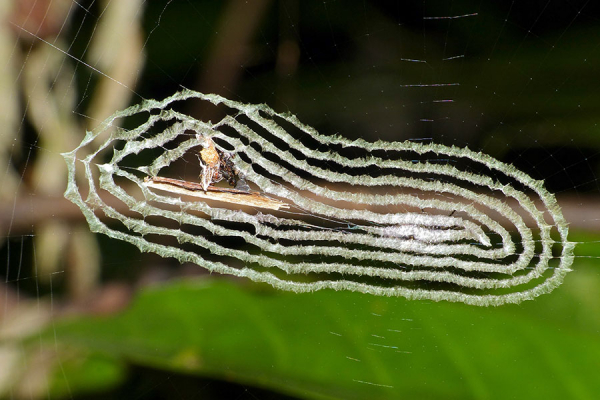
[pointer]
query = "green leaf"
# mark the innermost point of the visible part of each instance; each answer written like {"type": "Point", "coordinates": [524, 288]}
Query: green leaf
{"type": "Point", "coordinates": [349, 345]}
{"type": "Point", "coordinates": [84, 371]}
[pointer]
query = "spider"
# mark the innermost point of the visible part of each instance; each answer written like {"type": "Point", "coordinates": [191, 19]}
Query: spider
{"type": "Point", "coordinates": [218, 165]}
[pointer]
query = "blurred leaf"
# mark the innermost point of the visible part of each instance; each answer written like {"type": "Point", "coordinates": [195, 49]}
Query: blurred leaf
{"type": "Point", "coordinates": [85, 372]}
{"type": "Point", "coordinates": [349, 345]}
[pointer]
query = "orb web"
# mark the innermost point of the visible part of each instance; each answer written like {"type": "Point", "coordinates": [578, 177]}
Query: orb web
{"type": "Point", "coordinates": [411, 219]}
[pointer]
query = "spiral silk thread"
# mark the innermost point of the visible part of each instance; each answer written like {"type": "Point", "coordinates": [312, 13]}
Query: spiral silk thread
{"type": "Point", "coordinates": [417, 220]}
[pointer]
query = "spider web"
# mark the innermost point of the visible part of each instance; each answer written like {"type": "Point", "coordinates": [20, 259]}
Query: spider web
{"type": "Point", "coordinates": [512, 80]}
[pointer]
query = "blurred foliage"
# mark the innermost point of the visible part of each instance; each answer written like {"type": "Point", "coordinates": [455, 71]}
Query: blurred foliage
{"type": "Point", "coordinates": [347, 345]}
{"type": "Point", "coordinates": [527, 93]}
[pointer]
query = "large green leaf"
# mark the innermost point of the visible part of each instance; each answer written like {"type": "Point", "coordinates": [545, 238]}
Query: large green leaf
{"type": "Point", "coordinates": [350, 345]}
